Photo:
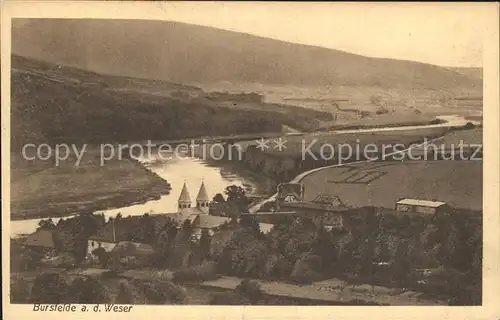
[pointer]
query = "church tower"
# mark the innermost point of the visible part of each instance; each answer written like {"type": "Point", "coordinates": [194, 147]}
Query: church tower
{"type": "Point", "coordinates": [184, 201]}
{"type": "Point", "coordinates": [202, 200]}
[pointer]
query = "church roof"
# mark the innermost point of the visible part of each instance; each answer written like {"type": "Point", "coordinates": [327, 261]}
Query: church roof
{"type": "Point", "coordinates": [209, 222]}
{"type": "Point", "coordinates": [184, 194]}
{"type": "Point", "coordinates": [202, 194]}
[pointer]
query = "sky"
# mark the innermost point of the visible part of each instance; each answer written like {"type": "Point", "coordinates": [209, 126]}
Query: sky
{"type": "Point", "coordinates": [447, 34]}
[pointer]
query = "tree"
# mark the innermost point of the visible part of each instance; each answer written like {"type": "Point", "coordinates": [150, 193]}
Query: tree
{"type": "Point", "coordinates": [47, 224]}
{"type": "Point", "coordinates": [87, 290]}
{"type": "Point", "coordinates": [237, 195]}
{"type": "Point", "coordinates": [251, 290]}
{"type": "Point", "coordinates": [218, 198]}
{"type": "Point", "coordinates": [31, 258]}
{"type": "Point", "coordinates": [157, 292]}
{"type": "Point", "coordinates": [165, 242]}
{"type": "Point", "coordinates": [250, 222]}
{"type": "Point", "coordinates": [187, 230]}
{"type": "Point", "coordinates": [204, 247]}
{"type": "Point", "coordinates": [145, 231]}
{"type": "Point", "coordinates": [125, 293]}
{"type": "Point", "coordinates": [376, 100]}
{"type": "Point", "coordinates": [401, 266]}
{"type": "Point", "coordinates": [324, 246]}
{"type": "Point", "coordinates": [19, 290]}
{"type": "Point", "coordinates": [244, 255]}
{"type": "Point", "coordinates": [49, 288]}
{"type": "Point", "coordinates": [103, 255]}
{"type": "Point", "coordinates": [229, 298]}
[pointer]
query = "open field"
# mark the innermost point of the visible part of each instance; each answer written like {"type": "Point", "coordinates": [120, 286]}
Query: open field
{"type": "Point", "coordinates": [334, 291]}
{"type": "Point", "coordinates": [382, 184]}
{"type": "Point", "coordinates": [295, 144]}
{"type": "Point", "coordinates": [474, 136]}
{"type": "Point", "coordinates": [367, 105]}
{"type": "Point", "coordinates": [41, 189]}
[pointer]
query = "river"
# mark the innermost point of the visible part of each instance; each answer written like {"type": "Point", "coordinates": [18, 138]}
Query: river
{"type": "Point", "coordinates": [175, 170]}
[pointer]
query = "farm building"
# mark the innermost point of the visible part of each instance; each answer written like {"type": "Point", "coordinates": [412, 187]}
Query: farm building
{"type": "Point", "coordinates": [420, 206]}
{"type": "Point", "coordinates": [43, 241]}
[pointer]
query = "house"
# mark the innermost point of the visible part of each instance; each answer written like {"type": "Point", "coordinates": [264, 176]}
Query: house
{"type": "Point", "coordinates": [131, 255]}
{"type": "Point", "coordinates": [106, 238]}
{"type": "Point", "coordinates": [325, 206]}
{"type": "Point", "coordinates": [420, 206]}
{"type": "Point", "coordinates": [124, 254]}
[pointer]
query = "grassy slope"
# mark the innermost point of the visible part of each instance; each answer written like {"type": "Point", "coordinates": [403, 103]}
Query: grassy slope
{"type": "Point", "coordinates": [188, 53]}
{"type": "Point", "coordinates": [284, 73]}
{"type": "Point", "coordinates": [57, 104]}
{"type": "Point", "coordinates": [40, 189]}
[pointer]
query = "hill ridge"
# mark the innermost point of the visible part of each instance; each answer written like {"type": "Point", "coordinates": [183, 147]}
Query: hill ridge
{"type": "Point", "coordinates": [188, 53]}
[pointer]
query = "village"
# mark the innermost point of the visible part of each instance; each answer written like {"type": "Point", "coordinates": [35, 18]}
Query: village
{"type": "Point", "coordinates": [329, 173]}
{"type": "Point", "coordinates": [292, 250]}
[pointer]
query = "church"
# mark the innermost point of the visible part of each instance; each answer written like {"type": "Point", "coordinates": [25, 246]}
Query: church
{"type": "Point", "coordinates": [198, 215]}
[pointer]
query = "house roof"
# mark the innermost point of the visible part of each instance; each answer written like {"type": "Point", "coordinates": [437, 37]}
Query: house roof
{"type": "Point", "coordinates": [186, 214]}
{"type": "Point", "coordinates": [41, 238]}
{"type": "Point", "coordinates": [328, 199]}
{"type": "Point", "coordinates": [209, 221]}
{"type": "Point", "coordinates": [184, 196]}
{"type": "Point", "coordinates": [133, 248]}
{"type": "Point", "coordinates": [287, 190]}
{"type": "Point", "coordinates": [202, 194]}
{"type": "Point", "coordinates": [265, 227]}
{"type": "Point", "coordinates": [112, 231]}
{"type": "Point", "coordinates": [423, 203]}
{"type": "Point", "coordinates": [312, 205]}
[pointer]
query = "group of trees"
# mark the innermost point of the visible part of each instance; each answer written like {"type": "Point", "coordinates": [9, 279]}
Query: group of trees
{"type": "Point", "coordinates": [235, 202]}
{"type": "Point", "coordinates": [62, 112]}
{"type": "Point", "coordinates": [248, 292]}
{"type": "Point", "coordinates": [56, 288]}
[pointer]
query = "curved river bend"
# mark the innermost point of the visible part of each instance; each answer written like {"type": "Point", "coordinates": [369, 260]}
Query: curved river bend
{"type": "Point", "coordinates": [175, 170]}
{"type": "Point", "coordinates": [178, 170]}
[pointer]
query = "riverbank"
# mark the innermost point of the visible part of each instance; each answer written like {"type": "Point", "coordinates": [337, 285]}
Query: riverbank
{"type": "Point", "coordinates": [39, 189]}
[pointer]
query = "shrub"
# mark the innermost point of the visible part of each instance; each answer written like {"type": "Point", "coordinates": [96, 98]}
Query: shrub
{"type": "Point", "coordinates": [204, 272]}
{"type": "Point", "coordinates": [229, 298]}
{"type": "Point", "coordinates": [381, 110]}
{"type": "Point", "coordinates": [375, 100]}
{"type": "Point", "coordinates": [364, 114]}
{"type": "Point", "coordinates": [174, 293]}
{"type": "Point", "coordinates": [19, 290]}
{"type": "Point", "coordinates": [125, 293]}
{"type": "Point", "coordinates": [306, 269]}
{"type": "Point", "coordinates": [88, 290]}
{"type": "Point", "coordinates": [251, 290]}
{"type": "Point", "coordinates": [468, 125]}
{"type": "Point", "coordinates": [163, 292]}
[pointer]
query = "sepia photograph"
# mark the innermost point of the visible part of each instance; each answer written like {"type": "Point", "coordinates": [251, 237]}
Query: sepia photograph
{"type": "Point", "coordinates": [246, 154]}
